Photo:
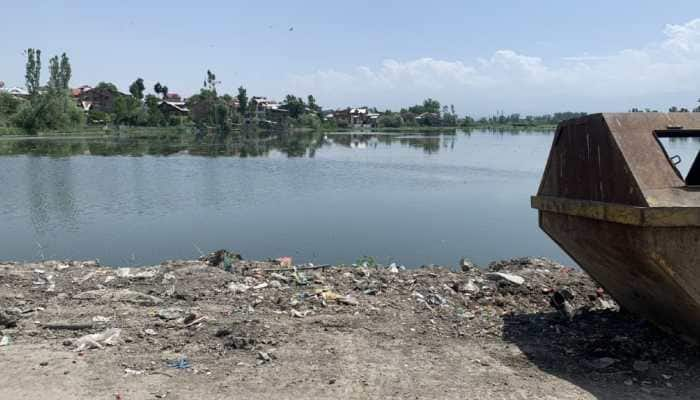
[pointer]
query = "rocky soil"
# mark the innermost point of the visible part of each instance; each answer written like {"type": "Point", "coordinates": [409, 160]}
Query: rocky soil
{"type": "Point", "coordinates": [224, 328]}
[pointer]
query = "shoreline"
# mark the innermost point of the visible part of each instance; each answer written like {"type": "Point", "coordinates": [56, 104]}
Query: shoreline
{"type": "Point", "coordinates": [221, 327]}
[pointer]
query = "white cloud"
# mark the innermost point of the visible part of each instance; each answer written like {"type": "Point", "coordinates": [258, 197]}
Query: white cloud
{"type": "Point", "coordinates": [657, 75]}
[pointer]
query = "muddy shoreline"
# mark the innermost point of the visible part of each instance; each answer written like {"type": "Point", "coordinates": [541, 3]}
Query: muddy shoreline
{"type": "Point", "coordinates": [227, 328]}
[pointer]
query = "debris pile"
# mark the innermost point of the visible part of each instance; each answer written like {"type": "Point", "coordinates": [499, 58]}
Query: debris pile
{"type": "Point", "coordinates": [185, 314]}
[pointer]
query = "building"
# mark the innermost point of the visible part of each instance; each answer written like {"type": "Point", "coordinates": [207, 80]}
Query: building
{"type": "Point", "coordinates": [15, 91]}
{"type": "Point", "coordinates": [173, 108]}
{"type": "Point", "coordinates": [173, 97]}
{"type": "Point", "coordinates": [100, 98]}
{"type": "Point", "coordinates": [261, 106]}
{"type": "Point", "coordinates": [360, 116]}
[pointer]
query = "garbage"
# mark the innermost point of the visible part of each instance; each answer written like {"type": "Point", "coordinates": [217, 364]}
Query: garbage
{"type": "Point", "coordinates": [68, 326]}
{"type": "Point", "coordinates": [393, 269]}
{"type": "Point", "coordinates": [130, 296]}
{"type": "Point", "coordinates": [96, 340]}
{"type": "Point", "coordinates": [52, 283]}
{"type": "Point", "coordinates": [466, 287]}
{"type": "Point", "coordinates": [279, 277]}
{"type": "Point", "coordinates": [466, 265]}
{"type": "Point", "coordinates": [196, 321]}
{"type": "Point", "coordinates": [236, 287]}
{"type": "Point", "coordinates": [285, 262]}
{"type": "Point", "coordinates": [129, 371]}
{"type": "Point", "coordinates": [100, 319]}
{"type": "Point", "coordinates": [86, 278]}
{"type": "Point", "coordinates": [435, 299]}
{"type": "Point", "coordinates": [180, 363]}
{"type": "Point", "coordinates": [123, 295]}
{"type": "Point", "coordinates": [296, 314]}
{"type": "Point", "coordinates": [261, 286]}
{"type": "Point", "coordinates": [264, 357]}
{"type": "Point", "coordinates": [275, 284]}
{"type": "Point", "coordinates": [561, 301]}
{"type": "Point", "coordinates": [150, 332]}
{"type": "Point", "coordinates": [222, 259]}
{"type": "Point", "coordinates": [503, 277]}
{"type": "Point", "coordinates": [5, 341]}
{"type": "Point", "coordinates": [169, 314]}
{"type": "Point", "coordinates": [143, 273]}
{"type": "Point", "coordinates": [348, 300]}
{"type": "Point", "coordinates": [10, 316]}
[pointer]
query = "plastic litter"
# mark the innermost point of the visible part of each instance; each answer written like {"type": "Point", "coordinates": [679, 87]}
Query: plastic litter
{"type": "Point", "coordinates": [96, 340]}
{"type": "Point", "coordinates": [180, 363]}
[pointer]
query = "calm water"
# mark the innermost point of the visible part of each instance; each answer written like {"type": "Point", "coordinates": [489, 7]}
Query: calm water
{"type": "Point", "coordinates": [319, 198]}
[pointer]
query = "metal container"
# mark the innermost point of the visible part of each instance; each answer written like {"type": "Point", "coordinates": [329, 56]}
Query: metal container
{"type": "Point", "coordinates": [613, 199]}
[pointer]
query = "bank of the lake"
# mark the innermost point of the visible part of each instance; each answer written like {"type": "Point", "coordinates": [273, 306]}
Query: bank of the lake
{"type": "Point", "coordinates": [225, 328]}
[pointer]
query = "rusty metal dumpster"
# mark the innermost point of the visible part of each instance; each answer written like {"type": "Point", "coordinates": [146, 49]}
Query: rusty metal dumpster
{"type": "Point", "coordinates": [613, 199]}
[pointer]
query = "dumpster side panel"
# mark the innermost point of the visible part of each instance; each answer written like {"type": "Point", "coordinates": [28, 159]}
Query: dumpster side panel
{"type": "Point", "coordinates": [649, 271]}
{"type": "Point", "coordinates": [586, 164]}
{"type": "Point", "coordinates": [645, 156]}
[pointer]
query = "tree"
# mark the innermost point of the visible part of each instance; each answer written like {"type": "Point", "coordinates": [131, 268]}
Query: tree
{"type": "Point", "coordinates": [59, 73]}
{"type": "Point", "coordinates": [242, 100]}
{"type": "Point", "coordinates": [154, 117]}
{"type": "Point", "coordinates": [295, 105]}
{"type": "Point", "coordinates": [211, 81]}
{"type": "Point", "coordinates": [161, 89]}
{"type": "Point", "coordinates": [312, 104]}
{"type": "Point", "coordinates": [137, 88]}
{"type": "Point", "coordinates": [33, 71]}
{"type": "Point", "coordinates": [65, 71]}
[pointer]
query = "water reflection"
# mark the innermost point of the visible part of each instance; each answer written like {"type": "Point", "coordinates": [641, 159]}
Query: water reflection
{"type": "Point", "coordinates": [319, 197]}
{"type": "Point", "coordinates": [292, 145]}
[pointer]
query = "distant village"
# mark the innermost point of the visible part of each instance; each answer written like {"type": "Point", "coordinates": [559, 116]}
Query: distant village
{"type": "Point", "coordinates": [102, 99]}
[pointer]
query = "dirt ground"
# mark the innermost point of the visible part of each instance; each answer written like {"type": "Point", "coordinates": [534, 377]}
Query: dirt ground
{"type": "Point", "coordinates": [193, 330]}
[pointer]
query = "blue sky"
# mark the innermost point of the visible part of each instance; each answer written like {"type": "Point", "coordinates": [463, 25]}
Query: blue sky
{"type": "Point", "coordinates": [515, 56]}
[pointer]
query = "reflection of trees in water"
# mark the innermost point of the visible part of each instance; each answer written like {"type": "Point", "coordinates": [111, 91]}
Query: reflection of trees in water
{"type": "Point", "coordinates": [248, 144]}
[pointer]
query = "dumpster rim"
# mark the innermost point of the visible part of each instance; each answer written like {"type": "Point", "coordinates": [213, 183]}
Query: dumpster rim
{"type": "Point", "coordinates": [619, 213]}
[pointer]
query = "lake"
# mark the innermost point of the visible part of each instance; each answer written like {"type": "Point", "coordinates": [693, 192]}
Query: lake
{"type": "Point", "coordinates": [321, 198]}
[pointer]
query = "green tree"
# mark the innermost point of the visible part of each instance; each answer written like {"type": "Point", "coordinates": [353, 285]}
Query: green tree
{"type": "Point", "coordinates": [295, 105]}
{"type": "Point", "coordinates": [242, 100]}
{"type": "Point", "coordinates": [33, 71]}
{"type": "Point", "coordinates": [211, 82]}
{"type": "Point", "coordinates": [161, 89]}
{"type": "Point", "coordinates": [390, 120]}
{"type": "Point", "coordinates": [154, 116]}
{"type": "Point", "coordinates": [59, 73]}
{"type": "Point", "coordinates": [65, 72]}
{"type": "Point", "coordinates": [311, 101]}
{"type": "Point", "coordinates": [137, 88]}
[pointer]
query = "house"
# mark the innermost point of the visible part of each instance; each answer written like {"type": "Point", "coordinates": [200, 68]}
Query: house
{"type": "Point", "coordinates": [100, 98]}
{"type": "Point", "coordinates": [15, 91]}
{"type": "Point", "coordinates": [360, 116]}
{"type": "Point", "coordinates": [80, 90]}
{"type": "Point", "coordinates": [260, 106]}
{"type": "Point", "coordinates": [173, 97]}
{"type": "Point", "coordinates": [173, 108]}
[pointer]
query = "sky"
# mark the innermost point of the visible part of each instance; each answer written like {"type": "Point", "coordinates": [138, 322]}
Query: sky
{"type": "Point", "coordinates": [485, 57]}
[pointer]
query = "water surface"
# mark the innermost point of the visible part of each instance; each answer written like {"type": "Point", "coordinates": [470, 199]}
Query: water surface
{"type": "Point", "coordinates": [413, 199]}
